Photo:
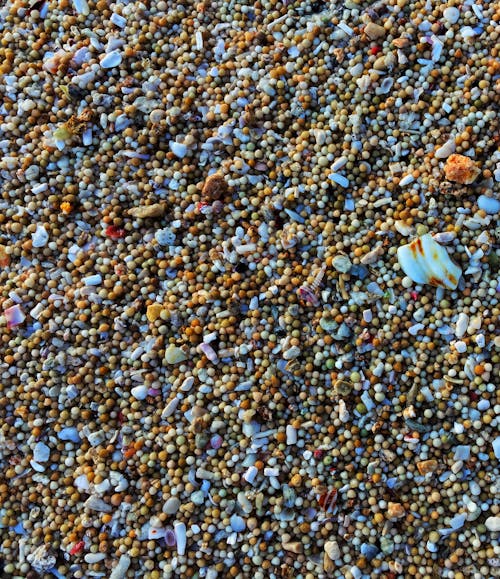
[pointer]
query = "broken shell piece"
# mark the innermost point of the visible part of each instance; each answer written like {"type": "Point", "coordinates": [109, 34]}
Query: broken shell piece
{"type": "Point", "coordinates": [94, 503]}
{"type": "Point", "coordinates": [174, 355]}
{"type": "Point", "coordinates": [180, 537]}
{"type": "Point", "coordinates": [14, 316]}
{"type": "Point", "coordinates": [121, 568]}
{"type": "Point", "coordinates": [40, 237]}
{"type": "Point", "coordinates": [40, 560]}
{"type": "Point", "coordinates": [461, 169]}
{"type": "Point", "coordinates": [426, 262]}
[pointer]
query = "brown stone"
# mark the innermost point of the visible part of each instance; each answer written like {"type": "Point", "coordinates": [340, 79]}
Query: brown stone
{"type": "Point", "coordinates": [147, 211]}
{"type": "Point", "coordinates": [374, 31]}
{"type": "Point", "coordinates": [214, 187]}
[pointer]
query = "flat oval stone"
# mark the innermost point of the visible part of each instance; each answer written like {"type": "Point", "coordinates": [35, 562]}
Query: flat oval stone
{"type": "Point", "coordinates": [171, 506]}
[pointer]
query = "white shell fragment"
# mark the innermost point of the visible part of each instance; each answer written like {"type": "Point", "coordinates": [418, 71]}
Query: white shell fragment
{"type": "Point", "coordinates": [178, 149]}
{"type": "Point", "coordinates": [427, 262]}
{"type": "Point", "coordinates": [81, 7]}
{"type": "Point", "coordinates": [451, 14]}
{"type": "Point", "coordinates": [445, 150]}
{"type": "Point", "coordinates": [40, 237]}
{"type": "Point", "coordinates": [180, 536]}
{"type": "Point", "coordinates": [41, 452]}
{"type": "Point", "coordinates": [120, 571]}
{"type": "Point", "coordinates": [112, 59]}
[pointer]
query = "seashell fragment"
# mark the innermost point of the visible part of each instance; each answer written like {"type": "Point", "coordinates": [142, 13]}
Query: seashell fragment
{"type": "Point", "coordinates": [40, 560]}
{"type": "Point", "coordinates": [120, 571]}
{"type": "Point", "coordinates": [41, 452]}
{"type": "Point", "coordinates": [112, 59]}
{"type": "Point", "coordinates": [426, 262]}
{"type": "Point", "coordinates": [445, 150]}
{"type": "Point", "coordinates": [451, 14]}
{"type": "Point", "coordinates": [40, 237]}
{"type": "Point", "coordinates": [180, 537]}
{"type": "Point", "coordinates": [214, 188]}
{"type": "Point", "coordinates": [427, 466]}
{"type": "Point", "coordinates": [461, 169]}
{"type": "Point", "coordinates": [339, 179]}
{"type": "Point", "coordinates": [14, 316]}
{"type": "Point", "coordinates": [94, 503]}
{"type": "Point", "coordinates": [178, 149]}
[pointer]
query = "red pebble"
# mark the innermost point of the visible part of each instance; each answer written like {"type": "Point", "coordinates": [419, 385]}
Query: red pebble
{"type": "Point", "coordinates": [375, 49]}
{"type": "Point", "coordinates": [77, 548]}
{"type": "Point", "coordinates": [114, 232]}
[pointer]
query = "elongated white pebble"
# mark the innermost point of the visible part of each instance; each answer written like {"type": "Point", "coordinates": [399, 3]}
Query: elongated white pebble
{"type": "Point", "coordinates": [250, 474]}
{"type": "Point", "coordinates": [112, 59]}
{"type": "Point", "coordinates": [120, 571]}
{"type": "Point", "coordinates": [461, 324]}
{"type": "Point", "coordinates": [170, 408]}
{"type": "Point", "coordinates": [180, 537]}
{"type": "Point", "coordinates": [291, 434]}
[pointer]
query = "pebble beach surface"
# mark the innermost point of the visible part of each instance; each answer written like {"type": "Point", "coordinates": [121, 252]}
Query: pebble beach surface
{"type": "Point", "coordinates": [249, 289]}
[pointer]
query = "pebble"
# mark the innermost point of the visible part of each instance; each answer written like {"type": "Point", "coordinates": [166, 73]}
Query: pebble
{"type": "Point", "coordinates": [496, 447]}
{"type": "Point", "coordinates": [488, 204]}
{"type": "Point", "coordinates": [41, 452]}
{"type": "Point", "coordinates": [171, 506]}
{"type": "Point", "coordinates": [451, 14]}
{"type": "Point", "coordinates": [140, 392]}
{"type": "Point", "coordinates": [112, 59]}
{"type": "Point", "coordinates": [493, 524]}
{"type": "Point", "coordinates": [174, 355]}
{"type": "Point", "coordinates": [40, 237]}
{"type": "Point", "coordinates": [238, 524]}
{"type": "Point", "coordinates": [69, 433]}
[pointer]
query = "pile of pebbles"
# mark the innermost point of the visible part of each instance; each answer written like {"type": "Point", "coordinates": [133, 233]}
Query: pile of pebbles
{"type": "Point", "coordinates": [249, 289]}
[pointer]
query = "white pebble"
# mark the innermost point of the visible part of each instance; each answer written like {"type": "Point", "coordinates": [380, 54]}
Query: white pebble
{"type": "Point", "coordinates": [488, 204]}
{"type": "Point", "coordinates": [461, 324]}
{"type": "Point", "coordinates": [40, 237]}
{"type": "Point", "coordinates": [139, 392]}
{"type": "Point", "coordinates": [178, 149]}
{"type": "Point", "coordinates": [493, 524]}
{"type": "Point", "coordinates": [112, 59]}
{"type": "Point", "coordinates": [496, 446]}
{"type": "Point", "coordinates": [451, 14]}
{"type": "Point", "coordinates": [92, 280]}
{"type": "Point", "coordinates": [460, 346]}
{"type": "Point", "coordinates": [291, 435]}
{"type": "Point", "coordinates": [81, 7]}
{"type": "Point", "coordinates": [445, 150]}
{"type": "Point", "coordinates": [118, 20]}
{"type": "Point", "coordinates": [339, 179]}
{"type": "Point", "coordinates": [250, 474]}
{"type": "Point", "coordinates": [41, 452]}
